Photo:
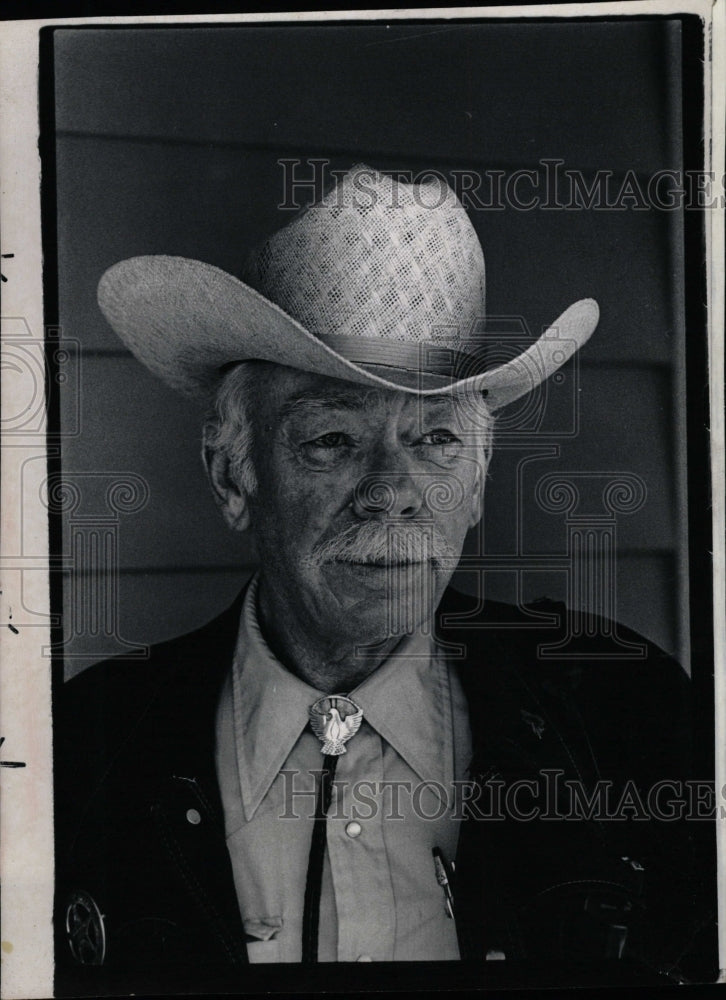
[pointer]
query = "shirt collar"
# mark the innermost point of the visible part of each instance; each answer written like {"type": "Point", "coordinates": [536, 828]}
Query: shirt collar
{"type": "Point", "coordinates": [407, 700]}
{"type": "Point", "coordinates": [270, 707]}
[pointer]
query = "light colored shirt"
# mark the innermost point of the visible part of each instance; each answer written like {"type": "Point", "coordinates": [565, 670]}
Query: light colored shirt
{"type": "Point", "coordinates": [393, 802]}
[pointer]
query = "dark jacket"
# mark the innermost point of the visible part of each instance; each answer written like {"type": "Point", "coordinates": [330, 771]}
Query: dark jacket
{"type": "Point", "coordinates": [575, 897]}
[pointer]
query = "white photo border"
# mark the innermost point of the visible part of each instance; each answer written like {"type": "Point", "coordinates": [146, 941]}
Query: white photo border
{"type": "Point", "coordinates": [26, 819]}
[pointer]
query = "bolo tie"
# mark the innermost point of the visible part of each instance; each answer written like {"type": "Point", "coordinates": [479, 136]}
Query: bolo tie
{"type": "Point", "coordinates": [334, 719]}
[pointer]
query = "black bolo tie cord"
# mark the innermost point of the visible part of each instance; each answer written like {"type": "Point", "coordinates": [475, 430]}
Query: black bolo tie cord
{"type": "Point", "coordinates": [316, 858]}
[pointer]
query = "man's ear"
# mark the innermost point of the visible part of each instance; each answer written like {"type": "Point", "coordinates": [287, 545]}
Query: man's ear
{"type": "Point", "coordinates": [477, 496]}
{"type": "Point", "coordinates": [231, 498]}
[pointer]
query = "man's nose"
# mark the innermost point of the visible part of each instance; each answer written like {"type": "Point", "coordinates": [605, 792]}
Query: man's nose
{"type": "Point", "coordinates": [395, 490]}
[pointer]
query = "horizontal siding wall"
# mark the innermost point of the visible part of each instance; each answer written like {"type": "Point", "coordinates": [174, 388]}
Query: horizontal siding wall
{"type": "Point", "coordinates": [169, 141]}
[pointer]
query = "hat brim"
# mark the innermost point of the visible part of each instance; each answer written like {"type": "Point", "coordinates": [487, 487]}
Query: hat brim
{"type": "Point", "coordinates": [188, 321]}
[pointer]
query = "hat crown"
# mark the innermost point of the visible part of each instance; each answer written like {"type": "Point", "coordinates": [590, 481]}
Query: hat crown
{"type": "Point", "coordinates": [376, 257]}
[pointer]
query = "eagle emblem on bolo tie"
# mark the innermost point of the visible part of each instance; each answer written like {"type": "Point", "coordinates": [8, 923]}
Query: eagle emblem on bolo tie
{"type": "Point", "coordinates": [335, 719]}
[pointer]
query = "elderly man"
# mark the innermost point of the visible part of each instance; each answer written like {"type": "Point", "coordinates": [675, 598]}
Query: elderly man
{"type": "Point", "coordinates": [324, 772]}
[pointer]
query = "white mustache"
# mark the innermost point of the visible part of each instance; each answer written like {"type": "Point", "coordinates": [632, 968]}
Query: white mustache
{"type": "Point", "coordinates": [383, 544]}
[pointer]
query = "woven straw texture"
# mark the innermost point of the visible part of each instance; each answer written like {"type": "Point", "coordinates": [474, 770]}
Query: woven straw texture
{"type": "Point", "coordinates": [377, 258]}
{"type": "Point", "coordinates": [378, 264]}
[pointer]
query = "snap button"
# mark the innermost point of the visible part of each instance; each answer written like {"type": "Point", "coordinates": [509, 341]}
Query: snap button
{"type": "Point", "coordinates": [353, 830]}
{"type": "Point", "coordinates": [193, 817]}
{"type": "Point", "coordinates": [364, 958]}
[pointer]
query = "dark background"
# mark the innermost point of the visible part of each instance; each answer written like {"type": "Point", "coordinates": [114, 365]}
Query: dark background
{"type": "Point", "coordinates": [168, 141]}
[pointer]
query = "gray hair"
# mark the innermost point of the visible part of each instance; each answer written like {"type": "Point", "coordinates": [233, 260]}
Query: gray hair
{"type": "Point", "coordinates": [229, 426]}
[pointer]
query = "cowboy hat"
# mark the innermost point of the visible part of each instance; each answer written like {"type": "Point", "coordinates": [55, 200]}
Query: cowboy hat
{"type": "Point", "coordinates": [379, 282]}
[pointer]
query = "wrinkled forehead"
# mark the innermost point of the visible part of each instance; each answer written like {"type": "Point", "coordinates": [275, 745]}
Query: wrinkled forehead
{"type": "Point", "coordinates": [290, 392]}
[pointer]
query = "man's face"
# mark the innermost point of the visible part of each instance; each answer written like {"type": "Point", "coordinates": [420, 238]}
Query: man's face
{"type": "Point", "coordinates": [363, 502]}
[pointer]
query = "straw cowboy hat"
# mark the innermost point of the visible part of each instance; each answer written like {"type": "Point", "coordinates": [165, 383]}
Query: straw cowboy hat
{"type": "Point", "coordinates": [380, 283]}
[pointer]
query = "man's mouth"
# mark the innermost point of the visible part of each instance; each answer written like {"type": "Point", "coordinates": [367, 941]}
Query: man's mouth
{"type": "Point", "coordinates": [381, 564]}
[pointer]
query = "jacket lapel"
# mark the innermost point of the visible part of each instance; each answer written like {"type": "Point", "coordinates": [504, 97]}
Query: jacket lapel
{"type": "Point", "coordinates": [527, 886]}
{"type": "Point", "coordinates": [156, 815]}
{"type": "Point", "coordinates": [187, 808]}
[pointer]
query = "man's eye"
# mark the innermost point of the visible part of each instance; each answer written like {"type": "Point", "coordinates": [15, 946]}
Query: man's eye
{"type": "Point", "coordinates": [440, 437]}
{"type": "Point", "coordinates": [335, 439]}
{"type": "Point", "coordinates": [326, 451]}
